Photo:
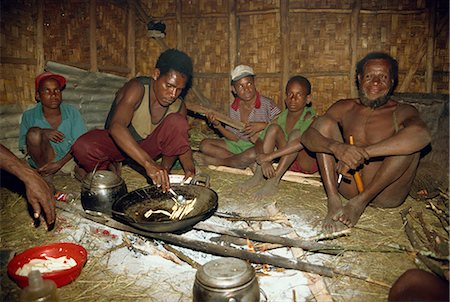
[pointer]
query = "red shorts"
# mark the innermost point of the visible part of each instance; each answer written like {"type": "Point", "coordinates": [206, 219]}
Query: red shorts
{"type": "Point", "coordinates": [295, 167]}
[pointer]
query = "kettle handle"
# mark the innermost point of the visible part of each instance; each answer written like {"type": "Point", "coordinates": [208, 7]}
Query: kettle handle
{"type": "Point", "coordinates": [196, 179]}
{"type": "Point", "coordinates": [93, 174]}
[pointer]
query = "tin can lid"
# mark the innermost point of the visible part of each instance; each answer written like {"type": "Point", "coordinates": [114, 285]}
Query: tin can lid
{"type": "Point", "coordinates": [225, 273]}
{"type": "Point", "coordinates": [102, 180]}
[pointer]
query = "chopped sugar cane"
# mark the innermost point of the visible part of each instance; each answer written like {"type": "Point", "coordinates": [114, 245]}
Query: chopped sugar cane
{"type": "Point", "coordinates": [47, 265]}
{"type": "Point", "coordinates": [150, 212]}
{"type": "Point", "coordinates": [178, 210]}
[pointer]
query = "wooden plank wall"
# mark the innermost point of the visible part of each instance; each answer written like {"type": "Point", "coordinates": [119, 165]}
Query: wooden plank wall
{"type": "Point", "coordinates": [317, 38]}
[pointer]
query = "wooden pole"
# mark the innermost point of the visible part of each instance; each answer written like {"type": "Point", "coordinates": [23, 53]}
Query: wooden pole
{"type": "Point", "coordinates": [40, 63]}
{"type": "Point", "coordinates": [131, 38]}
{"type": "Point", "coordinates": [220, 116]}
{"type": "Point", "coordinates": [179, 26]}
{"type": "Point", "coordinates": [284, 34]}
{"type": "Point", "coordinates": [284, 241]}
{"type": "Point", "coordinates": [92, 36]}
{"type": "Point", "coordinates": [420, 54]}
{"type": "Point", "coordinates": [430, 46]}
{"type": "Point", "coordinates": [354, 46]}
{"type": "Point", "coordinates": [232, 25]}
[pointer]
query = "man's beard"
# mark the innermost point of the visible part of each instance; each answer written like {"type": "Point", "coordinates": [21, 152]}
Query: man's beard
{"type": "Point", "coordinates": [378, 102]}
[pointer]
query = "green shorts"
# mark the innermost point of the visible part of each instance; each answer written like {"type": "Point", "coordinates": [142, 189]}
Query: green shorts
{"type": "Point", "coordinates": [239, 146]}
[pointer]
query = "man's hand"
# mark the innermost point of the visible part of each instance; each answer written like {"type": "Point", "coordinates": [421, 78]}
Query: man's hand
{"type": "Point", "coordinates": [159, 176]}
{"type": "Point", "coordinates": [213, 121]}
{"type": "Point", "coordinates": [352, 156]}
{"type": "Point", "coordinates": [39, 196]}
{"type": "Point", "coordinates": [262, 158]}
{"type": "Point", "coordinates": [252, 128]}
{"type": "Point", "coordinates": [54, 135]}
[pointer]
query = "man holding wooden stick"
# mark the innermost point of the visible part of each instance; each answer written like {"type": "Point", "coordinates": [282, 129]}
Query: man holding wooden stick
{"type": "Point", "coordinates": [249, 107]}
{"type": "Point", "coordinates": [388, 137]}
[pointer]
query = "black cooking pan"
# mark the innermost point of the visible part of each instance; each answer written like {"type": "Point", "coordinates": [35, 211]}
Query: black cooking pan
{"type": "Point", "coordinates": [131, 207]}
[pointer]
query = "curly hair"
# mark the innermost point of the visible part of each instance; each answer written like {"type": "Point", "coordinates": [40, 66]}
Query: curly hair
{"type": "Point", "coordinates": [393, 64]}
{"type": "Point", "coordinates": [174, 59]}
{"type": "Point", "coordinates": [301, 80]}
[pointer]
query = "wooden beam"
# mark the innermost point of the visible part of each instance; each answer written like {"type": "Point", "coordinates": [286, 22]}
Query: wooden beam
{"type": "Point", "coordinates": [420, 54]}
{"type": "Point", "coordinates": [430, 46]}
{"type": "Point", "coordinates": [25, 61]}
{"type": "Point", "coordinates": [92, 36]}
{"type": "Point", "coordinates": [354, 35]}
{"type": "Point", "coordinates": [131, 38]}
{"type": "Point", "coordinates": [179, 25]}
{"type": "Point", "coordinates": [363, 11]}
{"type": "Point", "coordinates": [233, 38]}
{"type": "Point", "coordinates": [102, 68]}
{"type": "Point", "coordinates": [40, 60]}
{"type": "Point", "coordinates": [284, 35]}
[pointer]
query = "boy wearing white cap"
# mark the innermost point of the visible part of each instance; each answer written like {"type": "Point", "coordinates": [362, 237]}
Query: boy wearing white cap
{"type": "Point", "coordinates": [251, 108]}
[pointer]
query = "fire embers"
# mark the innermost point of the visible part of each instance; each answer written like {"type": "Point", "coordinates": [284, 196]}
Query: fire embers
{"type": "Point", "coordinates": [263, 269]}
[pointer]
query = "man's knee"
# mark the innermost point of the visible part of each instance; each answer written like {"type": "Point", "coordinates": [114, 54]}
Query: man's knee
{"type": "Point", "coordinates": [34, 136]}
{"type": "Point", "coordinates": [418, 285]}
{"type": "Point", "coordinates": [177, 123]}
{"type": "Point", "coordinates": [295, 134]}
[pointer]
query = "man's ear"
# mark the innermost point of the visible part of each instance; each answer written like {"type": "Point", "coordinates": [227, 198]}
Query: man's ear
{"type": "Point", "coordinates": [308, 99]}
{"type": "Point", "coordinates": [37, 96]}
{"type": "Point", "coordinates": [156, 73]}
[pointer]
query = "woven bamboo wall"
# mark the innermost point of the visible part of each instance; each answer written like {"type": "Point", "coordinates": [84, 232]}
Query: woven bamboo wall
{"type": "Point", "coordinates": [17, 41]}
{"type": "Point", "coordinates": [111, 34]}
{"type": "Point", "coordinates": [314, 38]}
{"type": "Point", "coordinates": [66, 31]}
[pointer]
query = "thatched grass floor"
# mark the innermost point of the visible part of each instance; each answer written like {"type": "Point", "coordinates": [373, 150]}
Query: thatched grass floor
{"type": "Point", "coordinates": [303, 204]}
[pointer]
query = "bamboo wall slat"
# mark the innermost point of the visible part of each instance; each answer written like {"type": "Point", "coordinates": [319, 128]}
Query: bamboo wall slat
{"type": "Point", "coordinates": [259, 42]}
{"type": "Point", "coordinates": [111, 34]}
{"type": "Point", "coordinates": [17, 41]}
{"type": "Point", "coordinates": [208, 51]}
{"type": "Point", "coordinates": [256, 5]}
{"type": "Point", "coordinates": [66, 31]}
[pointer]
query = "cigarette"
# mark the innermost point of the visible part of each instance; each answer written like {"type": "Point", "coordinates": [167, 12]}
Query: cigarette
{"type": "Point", "coordinates": [339, 178]}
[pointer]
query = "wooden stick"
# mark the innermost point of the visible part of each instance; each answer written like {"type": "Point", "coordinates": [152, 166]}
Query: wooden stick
{"type": "Point", "coordinates": [220, 116]}
{"type": "Point", "coordinates": [182, 256]}
{"type": "Point", "coordinates": [357, 175]}
{"type": "Point", "coordinates": [297, 177]}
{"type": "Point", "coordinates": [218, 250]}
{"type": "Point", "coordinates": [410, 234]}
{"type": "Point", "coordinates": [287, 242]}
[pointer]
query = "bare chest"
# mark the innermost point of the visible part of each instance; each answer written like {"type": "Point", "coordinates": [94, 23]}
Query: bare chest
{"type": "Point", "coordinates": [369, 126]}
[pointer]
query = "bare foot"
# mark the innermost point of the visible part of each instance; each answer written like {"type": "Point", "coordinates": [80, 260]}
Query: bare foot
{"type": "Point", "coordinates": [350, 213]}
{"type": "Point", "coordinates": [329, 225]}
{"type": "Point", "coordinates": [201, 159]}
{"type": "Point", "coordinates": [252, 182]}
{"type": "Point", "coordinates": [79, 173]}
{"type": "Point", "coordinates": [269, 189]}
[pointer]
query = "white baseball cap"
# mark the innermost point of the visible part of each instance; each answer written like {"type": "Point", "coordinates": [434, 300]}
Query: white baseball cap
{"type": "Point", "coordinates": [241, 71]}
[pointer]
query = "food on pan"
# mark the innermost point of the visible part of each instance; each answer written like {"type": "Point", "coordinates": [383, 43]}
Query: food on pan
{"type": "Point", "coordinates": [178, 210]}
{"type": "Point", "coordinates": [47, 265]}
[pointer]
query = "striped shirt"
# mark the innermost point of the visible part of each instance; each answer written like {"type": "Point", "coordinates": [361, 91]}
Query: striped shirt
{"type": "Point", "coordinates": [265, 110]}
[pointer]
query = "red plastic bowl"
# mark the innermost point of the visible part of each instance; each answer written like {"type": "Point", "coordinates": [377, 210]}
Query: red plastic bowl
{"type": "Point", "coordinates": [62, 277]}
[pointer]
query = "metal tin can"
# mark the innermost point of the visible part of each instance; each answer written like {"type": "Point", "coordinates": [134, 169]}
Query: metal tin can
{"type": "Point", "coordinates": [226, 280]}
